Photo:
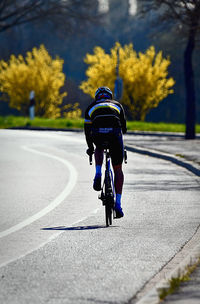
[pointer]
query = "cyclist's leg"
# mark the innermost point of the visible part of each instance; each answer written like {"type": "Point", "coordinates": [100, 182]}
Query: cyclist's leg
{"type": "Point", "coordinates": [119, 178]}
{"type": "Point", "coordinates": [118, 181]}
{"type": "Point", "coordinates": [98, 154]}
{"type": "Point", "coordinates": [98, 164]}
{"type": "Point", "coordinates": [117, 153]}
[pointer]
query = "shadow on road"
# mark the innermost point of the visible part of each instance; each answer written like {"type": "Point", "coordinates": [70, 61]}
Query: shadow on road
{"type": "Point", "coordinates": [75, 228]}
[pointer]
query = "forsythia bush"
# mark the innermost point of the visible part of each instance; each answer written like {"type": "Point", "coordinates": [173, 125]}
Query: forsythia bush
{"type": "Point", "coordinates": [37, 72]}
{"type": "Point", "coordinates": [144, 75]}
{"type": "Point", "coordinates": [72, 111]}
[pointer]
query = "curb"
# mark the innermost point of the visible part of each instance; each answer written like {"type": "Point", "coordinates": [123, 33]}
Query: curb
{"type": "Point", "coordinates": [186, 164]}
{"type": "Point", "coordinates": [160, 134]}
{"type": "Point", "coordinates": [45, 129]}
{"type": "Point", "coordinates": [152, 297]}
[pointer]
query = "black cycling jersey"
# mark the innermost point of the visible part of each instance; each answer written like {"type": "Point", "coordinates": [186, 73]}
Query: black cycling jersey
{"type": "Point", "coordinates": [104, 115]}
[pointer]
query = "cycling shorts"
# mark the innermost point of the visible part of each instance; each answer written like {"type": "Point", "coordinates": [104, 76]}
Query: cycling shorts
{"type": "Point", "coordinates": [110, 138]}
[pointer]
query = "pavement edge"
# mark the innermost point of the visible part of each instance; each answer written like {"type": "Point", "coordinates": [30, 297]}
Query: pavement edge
{"type": "Point", "coordinates": [169, 157]}
{"type": "Point", "coordinates": [152, 297]}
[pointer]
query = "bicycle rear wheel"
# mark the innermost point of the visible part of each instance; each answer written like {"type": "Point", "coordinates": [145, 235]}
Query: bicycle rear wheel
{"type": "Point", "coordinates": [108, 198]}
{"type": "Point", "coordinates": [108, 214]}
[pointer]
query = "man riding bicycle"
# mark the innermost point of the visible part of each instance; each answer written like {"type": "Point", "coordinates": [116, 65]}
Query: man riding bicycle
{"type": "Point", "coordinates": [104, 123]}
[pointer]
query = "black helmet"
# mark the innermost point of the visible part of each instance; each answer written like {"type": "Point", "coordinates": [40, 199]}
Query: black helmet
{"type": "Point", "coordinates": [103, 92]}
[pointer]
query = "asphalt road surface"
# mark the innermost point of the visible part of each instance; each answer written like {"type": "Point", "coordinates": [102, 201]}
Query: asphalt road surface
{"type": "Point", "coordinates": [54, 246]}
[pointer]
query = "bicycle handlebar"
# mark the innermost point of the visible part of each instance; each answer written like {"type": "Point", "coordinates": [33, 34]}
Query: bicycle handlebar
{"type": "Point", "coordinates": [125, 157]}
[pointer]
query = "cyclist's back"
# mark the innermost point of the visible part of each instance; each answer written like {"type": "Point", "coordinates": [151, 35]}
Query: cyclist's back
{"type": "Point", "coordinates": [105, 113]}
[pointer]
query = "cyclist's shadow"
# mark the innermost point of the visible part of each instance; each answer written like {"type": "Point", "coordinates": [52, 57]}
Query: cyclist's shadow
{"type": "Point", "coordinates": [75, 228]}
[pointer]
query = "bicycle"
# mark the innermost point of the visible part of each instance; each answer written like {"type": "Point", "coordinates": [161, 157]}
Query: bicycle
{"type": "Point", "coordinates": [108, 191]}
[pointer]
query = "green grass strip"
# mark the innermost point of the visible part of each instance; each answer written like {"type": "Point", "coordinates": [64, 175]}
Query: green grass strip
{"type": "Point", "coordinates": [175, 283]}
{"type": "Point", "coordinates": [63, 123]}
{"type": "Point", "coordinates": [59, 123]}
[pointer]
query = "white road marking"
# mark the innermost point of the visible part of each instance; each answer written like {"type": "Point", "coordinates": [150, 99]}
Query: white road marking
{"type": "Point", "coordinates": [58, 200]}
{"type": "Point", "coordinates": [49, 239]}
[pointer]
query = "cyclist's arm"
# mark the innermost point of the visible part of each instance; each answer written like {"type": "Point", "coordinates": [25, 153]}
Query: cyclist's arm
{"type": "Point", "coordinates": [87, 130]}
{"type": "Point", "coordinates": [123, 120]}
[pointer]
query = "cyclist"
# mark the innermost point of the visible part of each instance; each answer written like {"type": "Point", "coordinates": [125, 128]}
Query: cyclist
{"type": "Point", "coordinates": [105, 122]}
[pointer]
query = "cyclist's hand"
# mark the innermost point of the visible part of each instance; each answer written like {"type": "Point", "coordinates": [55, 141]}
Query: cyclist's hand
{"type": "Point", "coordinates": [90, 151]}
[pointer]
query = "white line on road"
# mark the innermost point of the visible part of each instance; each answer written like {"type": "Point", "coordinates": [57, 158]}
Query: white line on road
{"type": "Point", "coordinates": [50, 238]}
{"type": "Point", "coordinates": [59, 199]}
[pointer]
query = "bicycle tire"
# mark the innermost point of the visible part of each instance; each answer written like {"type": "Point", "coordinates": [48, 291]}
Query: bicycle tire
{"type": "Point", "coordinates": [108, 214]}
{"type": "Point", "coordinates": [108, 199]}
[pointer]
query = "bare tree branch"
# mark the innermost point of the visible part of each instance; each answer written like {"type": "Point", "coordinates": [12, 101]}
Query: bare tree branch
{"type": "Point", "coordinates": [186, 13]}
{"type": "Point", "coordinates": [13, 13]}
{"type": "Point", "coordinates": [182, 11]}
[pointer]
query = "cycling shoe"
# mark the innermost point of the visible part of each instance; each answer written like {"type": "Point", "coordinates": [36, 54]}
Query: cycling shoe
{"type": "Point", "coordinates": [97, 183]}
{"type": "Point", "coordinates": [118, 212]}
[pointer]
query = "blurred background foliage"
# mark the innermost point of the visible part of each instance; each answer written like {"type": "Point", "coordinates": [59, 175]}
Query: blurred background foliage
{"type": "Point", "coordinates": [77, 31]}
{"type": "Point", "coordinates": [37, 72]}
{"type": "Point", "coordinates": [145, 77]}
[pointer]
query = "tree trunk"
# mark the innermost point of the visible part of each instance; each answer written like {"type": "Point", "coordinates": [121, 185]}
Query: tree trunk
{"type": "Point", "coordinates": [190, 87]}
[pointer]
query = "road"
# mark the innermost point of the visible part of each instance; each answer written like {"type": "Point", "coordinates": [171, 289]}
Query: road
{"type": "Point", "coordinates": [54, 247]}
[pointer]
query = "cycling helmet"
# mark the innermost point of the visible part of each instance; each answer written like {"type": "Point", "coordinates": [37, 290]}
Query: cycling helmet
{"type": "Point", "coordinates": [103, 93]}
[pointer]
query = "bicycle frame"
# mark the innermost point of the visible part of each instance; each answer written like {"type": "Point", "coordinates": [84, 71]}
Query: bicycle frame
{"type": "Point", "coordinates": [109, 171]}
{"type": "Point", "coordinates": [107, 195]}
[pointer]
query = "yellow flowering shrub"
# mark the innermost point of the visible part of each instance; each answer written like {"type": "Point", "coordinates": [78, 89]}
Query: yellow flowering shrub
{"type": "Point", "coordinates": [37, 72]}
{"type": "Point", "coordinates": [72, 111]}
{"type": "Point", "coordinates": [145, 76]}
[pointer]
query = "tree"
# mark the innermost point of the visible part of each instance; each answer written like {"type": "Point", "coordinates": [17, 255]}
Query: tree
{"type": "Point", "coordinates": [37, 72]}
{"type": "Point", "coordinates": [185, 13]}
{"type": "Point", "coordinates": [144, 75]}
{"type": "Point", "coordinates": [63, 12]}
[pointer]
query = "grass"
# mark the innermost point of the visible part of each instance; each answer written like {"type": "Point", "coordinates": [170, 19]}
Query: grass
{"type": "Point", "coordinates": [63, 123]}
{"type": "Point", "coordinates": [175, 283]}
{"type": "Point", "coordinates": [158, 127]}
{"type": "Point", "coordinates": [60, 123]}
